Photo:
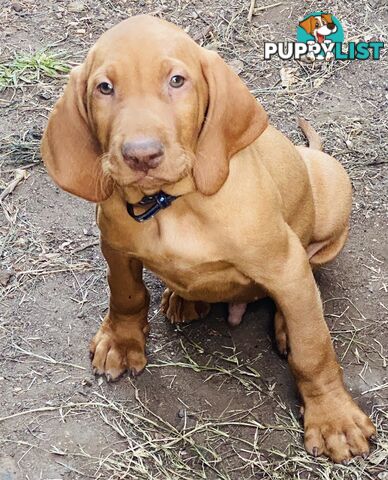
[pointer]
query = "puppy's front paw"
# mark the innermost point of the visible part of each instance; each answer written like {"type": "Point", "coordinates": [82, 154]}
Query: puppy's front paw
{"type": "Point", "coordinates": [336, 427]}
{"type": "Point", "coordinates": [179, 310]}
{"type": "Point", "coordinates": [118, 346]}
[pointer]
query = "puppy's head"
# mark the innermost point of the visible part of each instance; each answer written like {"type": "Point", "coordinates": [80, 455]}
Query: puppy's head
{"type": "Point", "coordinates": [148, 108]}
{"type": "Point", "coordinates": [323, 24]}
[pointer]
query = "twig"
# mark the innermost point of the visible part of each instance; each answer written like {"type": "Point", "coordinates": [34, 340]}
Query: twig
{"type": "Point", "coordinates": [27, 412]}
{"type": "Point", "coordinates": [251, 7]}
{"type": "Point", "coordinates": [47, 358]}
{"type": "Point", "coordinates": [87, 245]}
{"type": "Point", "coordinates": [375, 389]}
{"type": "Point", "coordinates": [19, 176]}
{"type": "Point", "coordinates": [266, 7]}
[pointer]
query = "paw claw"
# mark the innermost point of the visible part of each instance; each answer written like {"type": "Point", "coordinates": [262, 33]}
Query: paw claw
{"type": "Point", "coordinates": [134, 373]}
{"type": "Point", "coordinates": [118, 346]}
{"type": "Point", "coordinates": [332, 427]}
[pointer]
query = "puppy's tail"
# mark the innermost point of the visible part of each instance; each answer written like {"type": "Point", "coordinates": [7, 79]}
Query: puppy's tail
{"type": "Point", "coordinates": [312, 135]}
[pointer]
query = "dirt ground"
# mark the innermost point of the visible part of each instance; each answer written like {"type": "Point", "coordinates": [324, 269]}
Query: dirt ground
{"type": "Point", "coordinates": [214, 403]}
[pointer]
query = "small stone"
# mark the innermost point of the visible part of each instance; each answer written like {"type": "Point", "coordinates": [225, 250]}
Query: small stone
{"type": "Point", "coordinates": [5, 277]}
{"type": "Point", "coordinates": [88, 232]}
{"type": "Point", "coordinates": [16, 7]}
{"type": "Point", "coordinates": [181, 413]}
{"type": "Point", "coordinates": [76, 7]}
{"type": "Point", "coordinates": [45, 95]}
{"type": "Point", "coordinates": [383, 476]}
{"type": "Point", "coordinates": [35, 132]}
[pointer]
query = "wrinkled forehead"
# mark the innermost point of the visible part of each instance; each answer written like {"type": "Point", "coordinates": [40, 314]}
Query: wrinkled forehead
{"type": "Point", "coordinates": [145, 41]}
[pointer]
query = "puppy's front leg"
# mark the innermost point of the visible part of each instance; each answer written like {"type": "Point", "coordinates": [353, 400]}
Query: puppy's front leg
{"type": "Point", "coordinates": [120, 341]}
{"type": "Point", "coordinates": [334, 424]}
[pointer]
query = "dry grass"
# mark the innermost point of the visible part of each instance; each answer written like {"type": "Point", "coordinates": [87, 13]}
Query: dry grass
{"type": "Point", "coordinates": [152, 448]}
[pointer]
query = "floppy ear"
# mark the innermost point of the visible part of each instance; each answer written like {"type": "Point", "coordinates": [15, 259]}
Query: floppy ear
{"type": "Point", "coordinates": [308, 25]}
{"type": "Point", "coordinates": [69, 150]}
{"type": "Point", "coordinates": [328, 17]}
{"type": "Point", "coordinates": [234, 119]}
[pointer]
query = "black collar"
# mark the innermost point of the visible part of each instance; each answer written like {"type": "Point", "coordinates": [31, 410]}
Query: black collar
{"type": "Point", "coordinates": [157, 202]}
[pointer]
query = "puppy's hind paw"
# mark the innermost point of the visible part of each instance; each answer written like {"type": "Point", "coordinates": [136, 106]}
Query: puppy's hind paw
{"type": "Point", "coordinates": [179, 310]}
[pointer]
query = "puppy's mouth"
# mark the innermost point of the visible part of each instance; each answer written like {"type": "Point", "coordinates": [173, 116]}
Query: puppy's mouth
{"type": "Point", "coordinates": [324, 31]}
{"type": "Point", "coordinates": [151, 180]}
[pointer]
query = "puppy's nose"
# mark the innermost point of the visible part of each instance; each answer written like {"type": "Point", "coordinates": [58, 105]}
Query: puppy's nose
{"type": "Point", "coordinates": [142, 154]}
{"type": "Point", "coordinates": [331, 26]}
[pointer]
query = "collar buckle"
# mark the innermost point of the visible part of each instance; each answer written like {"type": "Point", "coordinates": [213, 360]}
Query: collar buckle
{"type": "Point", "coordinates": [158, 202]}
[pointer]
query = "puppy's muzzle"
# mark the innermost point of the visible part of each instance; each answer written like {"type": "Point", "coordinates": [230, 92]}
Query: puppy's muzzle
{"type": "Point", "coordinates": [142, 154]}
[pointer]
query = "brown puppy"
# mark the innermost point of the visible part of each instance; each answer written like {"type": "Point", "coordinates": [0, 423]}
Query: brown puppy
{"type": "Point", "coordinates": [151, 111]}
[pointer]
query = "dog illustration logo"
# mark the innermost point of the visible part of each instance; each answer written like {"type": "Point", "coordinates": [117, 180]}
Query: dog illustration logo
{"type": "Point", "coordinates": [320, 28]}
{"type": "Point", "coordinates": [320, 36]}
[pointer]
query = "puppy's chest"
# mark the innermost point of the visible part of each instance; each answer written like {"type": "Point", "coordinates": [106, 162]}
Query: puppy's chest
{"type": "Point", "coordinates": [189, 257]}
{"type": "Point", "coordinates": [190, 253]}
{"type": "Point", "coordinates": [174, 244]}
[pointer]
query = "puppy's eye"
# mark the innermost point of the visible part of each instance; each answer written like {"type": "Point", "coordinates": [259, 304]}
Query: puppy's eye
{"type": "Point", "coordinates": [105, 88]}
{"type": "Point", "coordinates": [177, 81]}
